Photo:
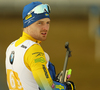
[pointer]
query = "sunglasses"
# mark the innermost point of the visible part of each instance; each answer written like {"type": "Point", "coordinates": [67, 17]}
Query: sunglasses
{"type": "Point", "coordinates": [40, 9]}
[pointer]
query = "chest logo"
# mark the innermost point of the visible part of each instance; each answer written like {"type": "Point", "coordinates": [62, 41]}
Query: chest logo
{"type": "Point", "coordinates": [11, 58]}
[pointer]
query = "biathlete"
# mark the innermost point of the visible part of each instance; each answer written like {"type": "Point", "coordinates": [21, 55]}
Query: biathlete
{"type": "Point", "coordinates": [27, 65]}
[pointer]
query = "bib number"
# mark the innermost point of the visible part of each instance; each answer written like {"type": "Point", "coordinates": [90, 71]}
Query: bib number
{"type": "Point", "coordinates": [13, 80]}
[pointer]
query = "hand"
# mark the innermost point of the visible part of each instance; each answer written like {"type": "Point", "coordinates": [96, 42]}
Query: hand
{"type": "Point", "coordinates": [67, 75]}
{"type": "Point", "coordinates": [60, 76]}
{"type": "Point", "coordinates": [70, 85]}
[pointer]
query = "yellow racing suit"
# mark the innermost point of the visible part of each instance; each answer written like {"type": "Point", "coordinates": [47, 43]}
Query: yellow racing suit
{"type": "Point", "coordinates": [27, 66]}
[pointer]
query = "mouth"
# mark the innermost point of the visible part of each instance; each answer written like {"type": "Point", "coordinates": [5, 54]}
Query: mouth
{"type": "Point", "coordinates": [43, 33]}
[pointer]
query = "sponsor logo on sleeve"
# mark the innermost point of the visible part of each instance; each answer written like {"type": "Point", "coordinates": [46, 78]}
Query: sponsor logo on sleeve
{"type": "Point", "coordinates": [53, 85]}
{"type": "Point", "coordinates": [45, 71]}
{"type": "Point", "coordinates": [41, 59]}
{"type": "Point", "coordinates": [38, 54]}
{"type": "Point", "coordinates": [60, 87]}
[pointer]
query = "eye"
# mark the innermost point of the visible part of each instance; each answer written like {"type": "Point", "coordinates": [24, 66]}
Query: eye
{"type": "Point", "coordinates": [48, 22]}
{"type": "Point", "coordinates": [39, 22]}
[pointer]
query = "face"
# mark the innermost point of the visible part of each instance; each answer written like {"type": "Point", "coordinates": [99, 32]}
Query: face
{"type": "Point", "coordinates": [39, 29]}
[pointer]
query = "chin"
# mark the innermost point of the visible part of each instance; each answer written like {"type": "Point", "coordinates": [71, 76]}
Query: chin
{"type": "Point", "coordinates": [43, 39]}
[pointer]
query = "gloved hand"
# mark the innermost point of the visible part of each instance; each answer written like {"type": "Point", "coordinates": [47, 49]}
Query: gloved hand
{"type": "Point", "coordinates": [70, 85]}
{"type": "Point", "coordinates": [67, 76]}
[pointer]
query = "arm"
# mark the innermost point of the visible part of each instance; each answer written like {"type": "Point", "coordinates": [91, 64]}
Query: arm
{"type": "Point", "coordinates": [36, 62]}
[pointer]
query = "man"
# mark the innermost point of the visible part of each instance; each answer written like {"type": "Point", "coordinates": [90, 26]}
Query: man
{"type": "Point", "coordinates": [27, 65]}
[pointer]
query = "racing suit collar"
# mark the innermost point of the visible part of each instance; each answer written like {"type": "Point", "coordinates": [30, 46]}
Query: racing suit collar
{"type": "Point", "coordinates": [30, 38]}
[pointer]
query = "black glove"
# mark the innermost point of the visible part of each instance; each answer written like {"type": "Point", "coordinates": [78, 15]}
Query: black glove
{"type": "Point", "coordinates": [70, 85]}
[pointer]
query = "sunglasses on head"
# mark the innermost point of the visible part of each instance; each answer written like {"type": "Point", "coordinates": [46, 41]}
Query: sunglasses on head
{"type": "Point", "coordinates": [40, 9]}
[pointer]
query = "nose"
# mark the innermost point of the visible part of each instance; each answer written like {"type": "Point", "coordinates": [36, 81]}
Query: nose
{"type": "Point", "coordinates": [46, 27]}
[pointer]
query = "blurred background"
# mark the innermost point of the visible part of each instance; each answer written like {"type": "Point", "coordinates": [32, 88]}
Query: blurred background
{"type": "Point", "coordinates": [73, 21]}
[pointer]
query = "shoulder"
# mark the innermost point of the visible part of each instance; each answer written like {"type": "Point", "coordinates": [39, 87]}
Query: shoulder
{"type": "Point", "coordinates": [34, 50]}
{"type": "Point", "coordinates": [35, 47]}
{"type": "Point", "coordinates": [10, 45]}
